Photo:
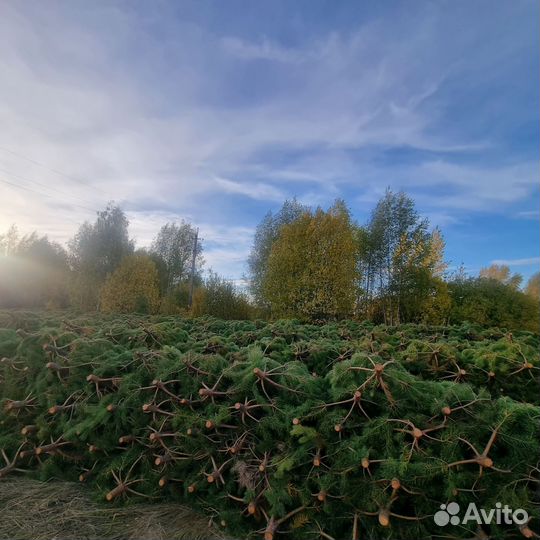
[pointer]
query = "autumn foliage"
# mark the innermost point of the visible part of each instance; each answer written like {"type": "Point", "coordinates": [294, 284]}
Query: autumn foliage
{"type": "Point", "coordinates": [132, 287]}
{"type": "Point", "coordinates": [312, 268]}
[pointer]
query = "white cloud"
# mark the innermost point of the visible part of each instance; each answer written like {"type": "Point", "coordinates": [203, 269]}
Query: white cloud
{"type": "Point", "coordinates": [448, 189]}
{"type": "Point", "coordinates": [529, 214]}
{"type": "Point", "coordinates": [518, 262]}
{"type": "Point", "coordinates": [225, 248]}
{"type": "Point", "coordinates": [160, 123]}
{"type": "Point", "coordinates": [263, 50]}
{"type": "Point", "coordinates": [259, 190]}
{"type": "Point", "coordinates": [441, 219]}
{"type": "Point", "coordinates": [474, 187]}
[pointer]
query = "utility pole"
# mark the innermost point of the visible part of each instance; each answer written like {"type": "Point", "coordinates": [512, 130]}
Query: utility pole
{"type": "Point", "coordinates": [192, 276]}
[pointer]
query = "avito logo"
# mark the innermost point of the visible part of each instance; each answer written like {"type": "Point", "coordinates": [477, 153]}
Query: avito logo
{"type": "Point", "coordinates": [449, 514]}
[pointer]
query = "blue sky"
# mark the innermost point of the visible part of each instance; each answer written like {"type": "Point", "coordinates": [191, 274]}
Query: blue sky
{"type": "Point", "coordinates": [216, 112]}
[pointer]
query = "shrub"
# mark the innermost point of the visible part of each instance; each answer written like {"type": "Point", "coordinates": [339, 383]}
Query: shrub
{"type": "Point", "coordinates": [132, 287]}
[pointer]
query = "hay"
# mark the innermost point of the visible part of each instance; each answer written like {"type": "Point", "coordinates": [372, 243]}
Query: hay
{"type": "Point", "coordinates": [32, 510]}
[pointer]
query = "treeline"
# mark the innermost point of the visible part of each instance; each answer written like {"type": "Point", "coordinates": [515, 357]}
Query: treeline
{"type": "Point", "coordinates": [310, 264]}
{"type": "Point", "coordinates": [316, 264]}
{"type": "Point", "coordinates": [102, 271]}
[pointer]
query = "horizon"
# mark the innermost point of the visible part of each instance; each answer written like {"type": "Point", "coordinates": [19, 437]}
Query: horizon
{"type": "Point", "coordinates": [217, 115]}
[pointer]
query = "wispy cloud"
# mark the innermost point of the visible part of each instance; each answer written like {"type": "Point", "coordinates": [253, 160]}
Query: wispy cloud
{"type": "Point", "coordinates": [160, 112]}
{"type": "Point", "coordinates": [262, 50]}
{"type": "Point", "coordinates": [226, 247]}
{"type": "Point", "coordinates": [518, 262]}
{"type": "Point", "coordinates": [475, 187]}
{"type": "Point", "coordinates": [259, 191]}
{"type": "Point", "coordinates": [529, 214]}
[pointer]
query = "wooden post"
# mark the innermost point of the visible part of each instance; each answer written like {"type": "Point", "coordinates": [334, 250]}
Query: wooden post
{"type": "Point", "coordinates": [192, 276]}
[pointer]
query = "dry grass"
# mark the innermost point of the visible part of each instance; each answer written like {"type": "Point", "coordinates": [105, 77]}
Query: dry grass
{"type": "Point", "coordinates": [32, 510]}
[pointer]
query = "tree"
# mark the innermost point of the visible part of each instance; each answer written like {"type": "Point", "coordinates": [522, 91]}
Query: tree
{"type": "Point", "coordinates": [161, 266]}
{"type": "Point", "coordinates": [133, 286]}
{"type": "Point", "coordinates": [501, 272]}
{"type": "Point", "coordinates": [533, 286]}
{"type": "Point", "coordinates": [266, 234]}
{"type": "Point", "coordinates": [221, 298]}
{"type": "Point", "coordinates": [312, 271]}
{"type": "Point", "coordinates": [437, 303]}
{"type": "Point", "coordinates": [489, 302]}
{"type": "Point", "coordinates": [434, 259]}
{"type": "Point", "coordinates": [421, 294]}
{"type": "Point", "coordinates": [9, 240]}
{"type": "Point", "coordinates": [399, 258]}
{"type": "Point", "coordinates": [49, 270]}
{"type": "Point", "coordinates": [174, 243]}
{"type": "Point", "coordinates": [34, 273]}
{"type": "Point", "coordinates": [96, 251]}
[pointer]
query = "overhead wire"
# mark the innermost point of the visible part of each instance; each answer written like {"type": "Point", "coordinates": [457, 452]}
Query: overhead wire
{"type": "Point", "coordinates": [41, 184]}
{"type": "Point", "coordinates": [28, 188]}
{"type": "Point", "coordinates": [48, 187]}
{"type": "Point", "coordinates": [53, 170]}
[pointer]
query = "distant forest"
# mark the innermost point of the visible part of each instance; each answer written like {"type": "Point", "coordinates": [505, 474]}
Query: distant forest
{"type": "Point", "coordinates": [305, 263]}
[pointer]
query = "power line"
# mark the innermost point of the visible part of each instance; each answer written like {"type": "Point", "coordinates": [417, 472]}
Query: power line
{"type": "Point", "coordinates": [27, 188]}
{"type": "Point", "coordinates": [55, 171]}
{"type": "Point", "coordinates": [41, 184]}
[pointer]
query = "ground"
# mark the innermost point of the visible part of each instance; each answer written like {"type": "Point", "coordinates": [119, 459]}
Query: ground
{"type": "Point", "coordinates": [63, 510]}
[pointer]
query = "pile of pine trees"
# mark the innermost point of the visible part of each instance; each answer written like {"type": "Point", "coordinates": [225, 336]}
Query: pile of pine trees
{"type": "Point", "coordinates": [342, 430]}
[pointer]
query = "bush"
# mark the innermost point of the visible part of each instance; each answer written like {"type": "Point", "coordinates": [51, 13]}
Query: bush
{"type": "Point", "coordinates": [132, 287]}
{"type": "Point", "coordinates": [489, 302]}
{"type": "Point", "coordinates": [219, 297]}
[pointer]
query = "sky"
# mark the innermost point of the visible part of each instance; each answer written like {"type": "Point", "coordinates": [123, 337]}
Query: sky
{"type": "Point", "coordinates": [216, 112]}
